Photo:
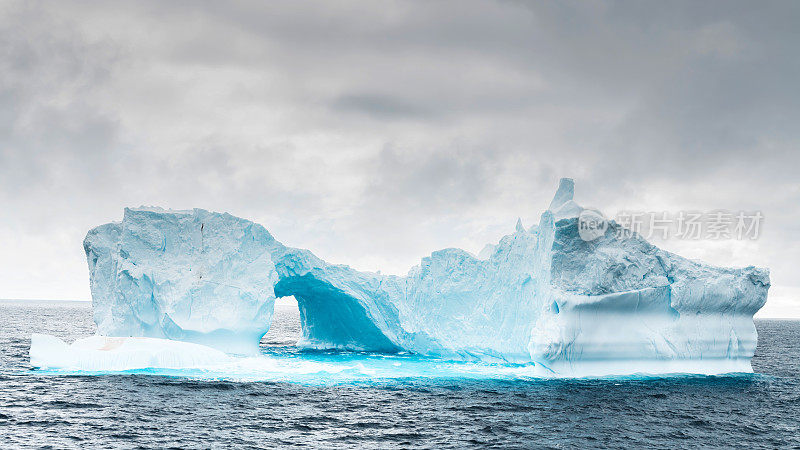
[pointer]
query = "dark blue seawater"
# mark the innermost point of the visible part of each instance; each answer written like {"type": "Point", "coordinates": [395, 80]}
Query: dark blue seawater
{"type": "Point", "coordinates": [435, 410]}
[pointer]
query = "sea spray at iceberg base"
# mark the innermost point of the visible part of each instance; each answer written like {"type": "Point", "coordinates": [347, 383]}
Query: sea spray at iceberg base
{"type": "Point", "coordinates": [542, 302]}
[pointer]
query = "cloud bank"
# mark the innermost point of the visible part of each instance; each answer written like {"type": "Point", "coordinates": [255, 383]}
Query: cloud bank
{"type": "Point", "coordinates": [376, 132]}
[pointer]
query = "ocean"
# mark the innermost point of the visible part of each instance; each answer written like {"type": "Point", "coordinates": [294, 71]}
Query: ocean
{"type": "Point", "coordinates": [347, 400]}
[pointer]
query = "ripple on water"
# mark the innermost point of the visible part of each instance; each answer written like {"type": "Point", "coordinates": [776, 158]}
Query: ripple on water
{"type": "Point", "coordinates": [437, 410]}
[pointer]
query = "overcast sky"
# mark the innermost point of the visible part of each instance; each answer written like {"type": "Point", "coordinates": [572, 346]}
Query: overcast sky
{"type": "Point", "coordinates": [373, 132]}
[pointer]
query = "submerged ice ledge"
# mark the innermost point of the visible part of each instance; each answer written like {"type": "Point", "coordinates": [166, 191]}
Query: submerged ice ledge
{"type": "Point", "coordinates": [542, 296]}
{"type": "Point", "coordinates": [97, 355]}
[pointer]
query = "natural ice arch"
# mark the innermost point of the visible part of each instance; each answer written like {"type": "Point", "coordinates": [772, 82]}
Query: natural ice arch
{"type": "Point", "coordinates": [332, 319]}
{"type": "Point", "coordinates": [341, 307]}
{"type": "Point", "coordinates": [453, 304]}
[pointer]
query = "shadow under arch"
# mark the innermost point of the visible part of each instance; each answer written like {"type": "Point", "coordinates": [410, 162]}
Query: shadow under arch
{"type": "Point", "coordinates": [332, 319]}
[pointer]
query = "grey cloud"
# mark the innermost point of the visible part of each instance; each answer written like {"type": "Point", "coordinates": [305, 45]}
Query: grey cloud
{"type": "Point", "coordinates": [339, 124]}
{"type": "Point", "coordinates": [429, 181]}
{"type": "Point", "coordinates": [379, 106]}
{"type": "Point", "coordinates": [55, 137]}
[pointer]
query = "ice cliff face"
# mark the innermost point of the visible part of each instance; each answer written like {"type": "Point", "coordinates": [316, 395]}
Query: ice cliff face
{"type": "Point", "coordinates": [623, 306]}
{"type": "Point", "coordinates": [541, 295]}
{"type": "Point", "coordinates": [186, 275]}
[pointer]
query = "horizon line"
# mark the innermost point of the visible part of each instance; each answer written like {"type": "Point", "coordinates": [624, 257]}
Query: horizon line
{"type": "Point", "coordinates": [89, 301]}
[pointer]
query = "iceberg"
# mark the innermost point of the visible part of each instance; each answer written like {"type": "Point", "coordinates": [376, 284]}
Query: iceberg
{"type": "Point", "coordinates": [610, 305]}
{"type": "Point", "coordinates": [193, 276]}
{"type": "Point", "coordinates": [547, 296]}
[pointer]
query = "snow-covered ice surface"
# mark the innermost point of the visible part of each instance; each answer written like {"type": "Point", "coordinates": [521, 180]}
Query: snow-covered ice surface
{"type": "Point", "coordinates": [542, 297]}
{"type": "Point", "coordinates": [115, 354]}
{"type": "Point", "coordinates": [191, 275]}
